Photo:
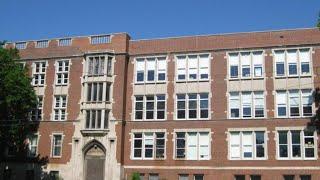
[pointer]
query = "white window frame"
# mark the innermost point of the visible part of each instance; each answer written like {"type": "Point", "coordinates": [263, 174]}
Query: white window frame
{"type": "Point", "coordinates": [62, 107]}
{"type": "Point", "coordinates": [23, 44]}
{"type": "Point", "coordinates": [157, 69]}
{"type": "Point", "coordinates": [100, 39]}
{"type": "Point", "coordinates": [198, 145]}
{"type": "Point", "coordinates": [42, 44]}
{"type": "Point", "coordinates": [302, 145]}
{"type": "Point", "coordinates": [42, 72]}
{"type": "Point", "coordinates": [187, 67]}
{"type": "Point", "coordinates": [64, 72]}
{"type": "Point", "coordinates": [38, 111]}
{"type": "Point", "coordinates": [198, 101]}
{"type": "Point", "coordinates": [252, 104]}
{"type": "Point", "coordinates": [254, 145]}
{"type": "Point", "coordinates": [155, 107]}
{"type": "Point", "coordinates": [30, 145]}
{"type": "Point", "coordinates": [53, 144]}
{"type": "Point", "coordinates": [299, 62]}
{"type": "Point", "coordinates": [154, 148]}
{"type": "Point", "coordinates": [301, 95]}
{"type": "Point", "coordinates": [252, 65]}
{"type": "Point", "coordinates": [62, 42]}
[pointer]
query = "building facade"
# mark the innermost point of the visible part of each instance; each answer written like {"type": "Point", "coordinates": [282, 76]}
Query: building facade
{"type": "Point", "coordinates": [230, 106]}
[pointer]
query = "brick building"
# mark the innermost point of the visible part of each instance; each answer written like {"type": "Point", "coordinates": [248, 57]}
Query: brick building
{"type": "Point", "coordinates": [230, 106]}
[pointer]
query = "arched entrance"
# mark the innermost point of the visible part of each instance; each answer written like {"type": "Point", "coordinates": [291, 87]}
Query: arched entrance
{"type": "Point", "coordinates": [94, 161]}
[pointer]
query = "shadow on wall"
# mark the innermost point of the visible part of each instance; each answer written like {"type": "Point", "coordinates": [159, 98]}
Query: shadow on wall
{"type": "Point", "coordinates": [28, 168]}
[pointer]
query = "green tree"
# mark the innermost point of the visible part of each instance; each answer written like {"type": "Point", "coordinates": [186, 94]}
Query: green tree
{"type": "Point", "coordinates": [135, 176]}
{"type": "Point", "coordinates": [17, 99]}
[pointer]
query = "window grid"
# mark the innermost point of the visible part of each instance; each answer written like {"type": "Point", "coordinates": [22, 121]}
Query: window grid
{"type": "Point", "coordinates": [296, 144]}
{"type": "Point", "coordinates": [292, 62]}
{"type": "Point", "coordinates": [150, 107]}
{"type": "Point", "coordinates": [247, 104]}
{"type": "Point", "coordinates": [148, 145]}
{"type": "Point", "coordinates": [97, 119]}
{"type": "Point", "coordinates": [33, 145]}
{"type": "Point", "coordinates": [193, 67]}
{"type": "Point", "coordinates": [60, 108]}
{"type": "Point", "coordinates": [150, 69]}
{"type": "Point", "coordinates": [39, 72]}
{"type": "Point", "coordinates": [246, 65]}
{"type": "Point", "coordinates": [21, 45]}
{"type": "Point", "coordinates": [42, 44]}
{"type": "Point", "coordinates": [56, 145]}
{"type": "Point", "coordinates": [96, 65]}
{"type": "Point", "coordinates": [62, 72]}
{"type": "Point", "coordinates": [192, 145]}
{"type": "Point", "coordinates": [247, 145]}
{"type": "Point", "coordinates": [65, 42]}
{"type": "Point", "coordinates": [36, 114]}
{"type": "Point", "coordinates": [294, 103]}
{"type": "Point", "coordinates": [192, 106]}
{"type": "Point", "coordinates": [102, 39]}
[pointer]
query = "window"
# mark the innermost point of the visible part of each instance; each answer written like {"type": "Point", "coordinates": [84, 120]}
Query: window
{"type": "Point", "coordinates": [294, 103]}
{"type": "Point", "coordinates": [96, 65]}
{"type": "Point", "coordinates": [33, 145]}
{"type": "Point", "coordinates": [296, 144]}
{"type": "Point", "coordinates": [97, 119]}
{"type": "Point", "coordinates": [251, 64]}
{"type": "Point", "coordinates": [100, 39]}
{"type": "Point", "coordinates": [280, 63]}
{"type": "Point", "coordinates": [193, 106]}
{"type": "Point", "coordinates": [239, 177]}
{"type": "Point", "coordinates": [54, 175]}
{"type": "Point", "coordinates": [148, 145]}
{"type": "Point", "coordinates": [60, 108]}
{"type": "Point", "coordinates": [252, 104]}
{"type": "Point", "coordinates": [234, 65]}
{"type": "Point", "coordinates": [192, 67]}
{"type": "Point", "coordinates": [39, 72]}
{"type": "Point", "coordinates": [292, 62]}
{"type": "Point", "coordinates": [62, 72]}
{"type": "Point", "coordinates": [198, 177]}
{"type": "Point", "coordinates": [56, 145]}
{"type": "Point", "coordinates": [247, 145]}
{"type": "Point", "coordinates": [192, 145]}
{"type": "Point", "coordinates": [21, 45]}
{"type": "Point", "coordinates": [151, 69]}
{"type": "Point", "coordinates": [64, 42]}
{"type": "Point", "coordinates": [255, 177]}
{"type": "Point", "coordinates": [304, 55]}
{"type": "Point", "coordinates": [94, 92]}
{"type": "Point", "coordinates": [154, 177]}
{"type": "Point", "coordinates": [305, 177]}
{"type": "Point", "coordinates": [257, 58]}
{"type": "Point", "coordinates": [150, 107]}
{"type": "Point", "coordinates": [288, 177]}
{"type": "Point", "coordinates": [109, 66]}
{"type": "Point", "coordinates": [245, 64]}
{"type": "Point", "coordinates": [183, 177]}
{"type": "Point", "coordinates": [42, 44]}
{"type": "Point", "coordinates": [234, 105]}
{"type": "Point", "coordinates": [36, 114]}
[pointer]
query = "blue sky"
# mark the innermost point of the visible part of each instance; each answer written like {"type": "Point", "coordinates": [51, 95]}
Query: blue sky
{"type": "Point", "coordinates": [144, 19]}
